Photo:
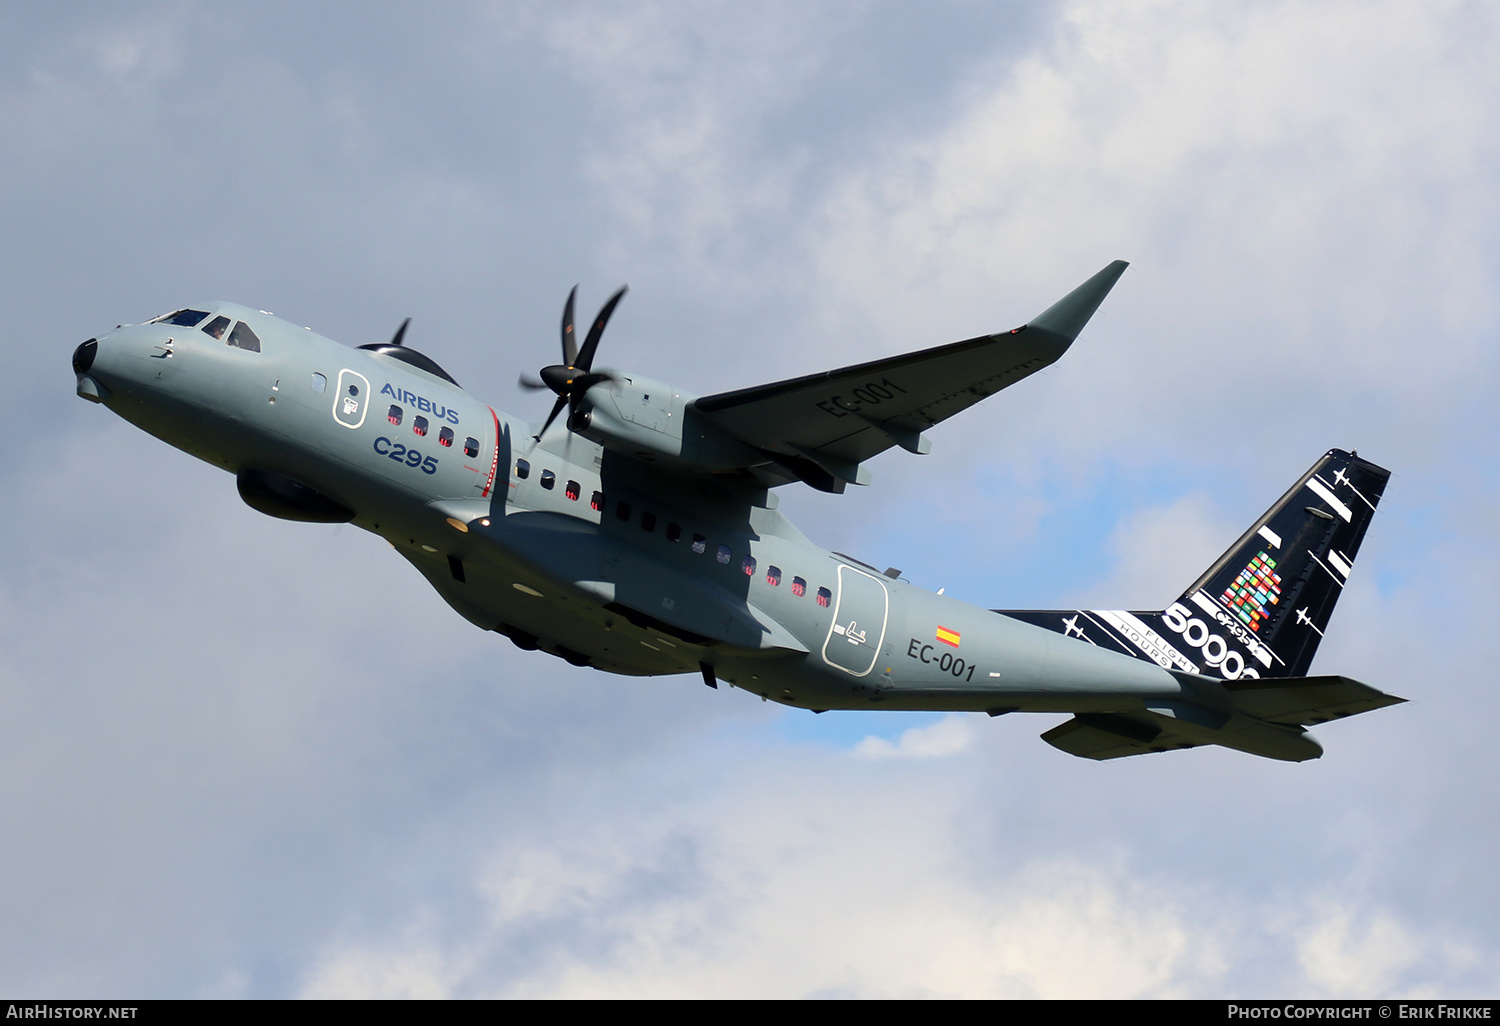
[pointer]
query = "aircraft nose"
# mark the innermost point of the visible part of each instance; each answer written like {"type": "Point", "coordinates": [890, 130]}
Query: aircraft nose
{"type": "Point", "coordinates": [83, 361]}
{"type": "Point", "coordinates": [83, 356]}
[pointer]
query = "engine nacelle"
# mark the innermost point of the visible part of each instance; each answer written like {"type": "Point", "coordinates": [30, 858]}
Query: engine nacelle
{"type": "Point", "coordinates": [650, 420]}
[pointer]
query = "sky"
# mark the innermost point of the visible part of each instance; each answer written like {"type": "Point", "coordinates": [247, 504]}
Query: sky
{"type": "Point", "coordinates": [247, 758]}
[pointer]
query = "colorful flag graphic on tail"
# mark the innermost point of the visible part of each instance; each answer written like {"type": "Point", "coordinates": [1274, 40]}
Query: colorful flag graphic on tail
{"type": "Point", "coordinates": [1254, 591]}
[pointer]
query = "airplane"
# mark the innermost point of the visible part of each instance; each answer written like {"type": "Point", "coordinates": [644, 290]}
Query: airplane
{"type": "Point", "coordinates": [640, 534]}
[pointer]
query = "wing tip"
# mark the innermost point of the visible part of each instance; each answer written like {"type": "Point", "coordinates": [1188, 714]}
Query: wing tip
{"type": "Point", "coordinates": [1068, 315]}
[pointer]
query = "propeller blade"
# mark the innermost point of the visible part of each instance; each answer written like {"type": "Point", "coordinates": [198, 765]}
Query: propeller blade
{"type": "Point", "coordinates": [585, 359]}
{"type": "Point", "coordinates": [531, 382]}
{"type": "Point", "coordinates": [569, 339]}
{"type": "Point", "coordinates": [581, 383]}
{"type": "Point", "coordinates": [562, 401]}
{"type": "Point", "coordinates": [400, 332]}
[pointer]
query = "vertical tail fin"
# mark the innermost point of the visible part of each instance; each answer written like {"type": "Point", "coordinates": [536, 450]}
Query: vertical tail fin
{"type": "Point", "coordinates": [1274, 590]}
{"type": "Point", "coordinates": [1261, 609]}
{"type": "Point", "coordinates": [1253, 622]}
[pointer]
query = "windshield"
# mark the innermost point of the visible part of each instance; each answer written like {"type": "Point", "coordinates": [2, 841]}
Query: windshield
{"type": "Point", "coordinates": [187, 317]}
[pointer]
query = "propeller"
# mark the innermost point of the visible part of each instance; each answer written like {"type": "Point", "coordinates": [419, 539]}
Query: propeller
{"type": "Point", "coordinates": [575, 375]}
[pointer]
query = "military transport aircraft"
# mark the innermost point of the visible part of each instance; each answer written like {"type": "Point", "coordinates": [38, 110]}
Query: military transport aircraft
{"type": "Point", "coordinates": [639, 533]}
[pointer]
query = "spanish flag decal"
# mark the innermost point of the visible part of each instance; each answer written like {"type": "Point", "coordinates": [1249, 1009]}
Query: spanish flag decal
{"type": "Point", "coordinates": [947, 636]}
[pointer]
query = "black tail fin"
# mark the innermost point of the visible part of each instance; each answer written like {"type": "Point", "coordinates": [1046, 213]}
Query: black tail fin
{"type": "Point", "coordinates": [1276, 587]}
{"type": "Point", "coordinates": [1261, 609]}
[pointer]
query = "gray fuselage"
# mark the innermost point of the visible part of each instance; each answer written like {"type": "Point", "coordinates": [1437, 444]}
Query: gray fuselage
{"type": "Point", "coordinates": [567, 546]}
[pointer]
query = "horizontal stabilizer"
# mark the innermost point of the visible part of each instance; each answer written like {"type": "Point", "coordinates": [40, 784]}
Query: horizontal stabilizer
{"type": "Point", "coordinates": [1166, 728]}
{"type": "Point", "coordinates": [1113, 736]}
{"type": "Point", "coordinates": [1269, 721]}
{"type": "Point", "coordinates": [1303, 701]}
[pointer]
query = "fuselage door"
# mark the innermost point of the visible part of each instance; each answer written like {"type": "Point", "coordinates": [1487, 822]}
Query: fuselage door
{"type": "Point", "coordinates": [351, 399]}
{"type": "Point", "coordinates": [858, 627]}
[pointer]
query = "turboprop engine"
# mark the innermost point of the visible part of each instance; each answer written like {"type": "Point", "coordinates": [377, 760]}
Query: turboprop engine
{"type": "Point", "coordinates": [630, 414]}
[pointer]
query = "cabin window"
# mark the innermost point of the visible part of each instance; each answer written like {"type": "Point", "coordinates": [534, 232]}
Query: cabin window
{"type": "Point", "coordinates": [216, 327]}
{"type": "Point", "coordinates": [622, 510]}
{"type": "Point", "coordinates": [674, 532]}
{"type": "Point", "coordinates": [393, 414]}
{"type": "Point", "coordinates": [471, 447]}
{"type": "Point", "coordinates": [419, 426]}
{"type": "Point", "coordinates": [186, 318]}
{"type": "Point", "coordinates": [825, 597]}
{"type": "Point", "coordinates": [572, 491]}
{"type": "Point", "coordinates": [320, 382]}
{"type": "Point", "coordinates": [723, 554]}
{"type": "Point", "coordinates": [799, 587]}
{"type": "Point", "coordinates": [523, 470]}
{"type": "Point", "coordinates": [773, 576]}
{"type": "Point", "coordinates": [648, 521]}
{"type": "Point", "coordinates": [548, 479]}
{"type": "Point", "coordinates": [243, 338]}
{"type": "Point", "coordinates": [445, 439]}
{"type": "Point", "coordinates": [596, 502]}
{"type": "Point", "coordinates": [700, 544]}
{"type": "Point", "coordinates": [748, 566]}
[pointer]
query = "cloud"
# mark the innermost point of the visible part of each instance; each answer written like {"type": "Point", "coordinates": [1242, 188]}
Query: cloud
{"type": "Point", "coordinates": [697, 901]}
{"type": "Point", "coordinates": [948, 736]}
{"type": "Point", "coordinates": [1297, 189]}
{"type": "Point", "coordinates": [244, 757]}
{"type": "Point", "coordinates": [816, 875]}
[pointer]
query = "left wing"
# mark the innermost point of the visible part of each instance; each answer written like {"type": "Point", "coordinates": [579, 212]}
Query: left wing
{"type": "Point", "coordinates": [821, 427]}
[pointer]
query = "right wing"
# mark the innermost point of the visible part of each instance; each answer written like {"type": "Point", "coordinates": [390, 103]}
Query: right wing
{"type": "Point", "coordinates": [821, 427]}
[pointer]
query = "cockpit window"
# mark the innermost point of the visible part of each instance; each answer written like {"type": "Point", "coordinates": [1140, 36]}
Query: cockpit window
{"type": "Point", "coordinates": [217, 327]}
{"type": "Point", "coordinates": [185, 317]}
{"type": "Point", "coordinates": [244, 338]}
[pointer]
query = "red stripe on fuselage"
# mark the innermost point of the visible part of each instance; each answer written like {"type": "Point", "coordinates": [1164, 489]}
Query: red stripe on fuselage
{"type": "Point", "coordinates": [489, 482]}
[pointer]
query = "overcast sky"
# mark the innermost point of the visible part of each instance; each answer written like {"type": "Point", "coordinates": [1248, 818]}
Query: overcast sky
{"type": "Point", "coordinates": [243, 757]}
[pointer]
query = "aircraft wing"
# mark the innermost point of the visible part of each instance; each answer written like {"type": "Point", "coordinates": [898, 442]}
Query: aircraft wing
{"type": "Point", "coordinates": [821, 427]}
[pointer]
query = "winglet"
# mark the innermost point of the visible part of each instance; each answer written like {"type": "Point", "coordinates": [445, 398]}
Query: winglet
{"type": "Point", "coordinates": [1068, 315]}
